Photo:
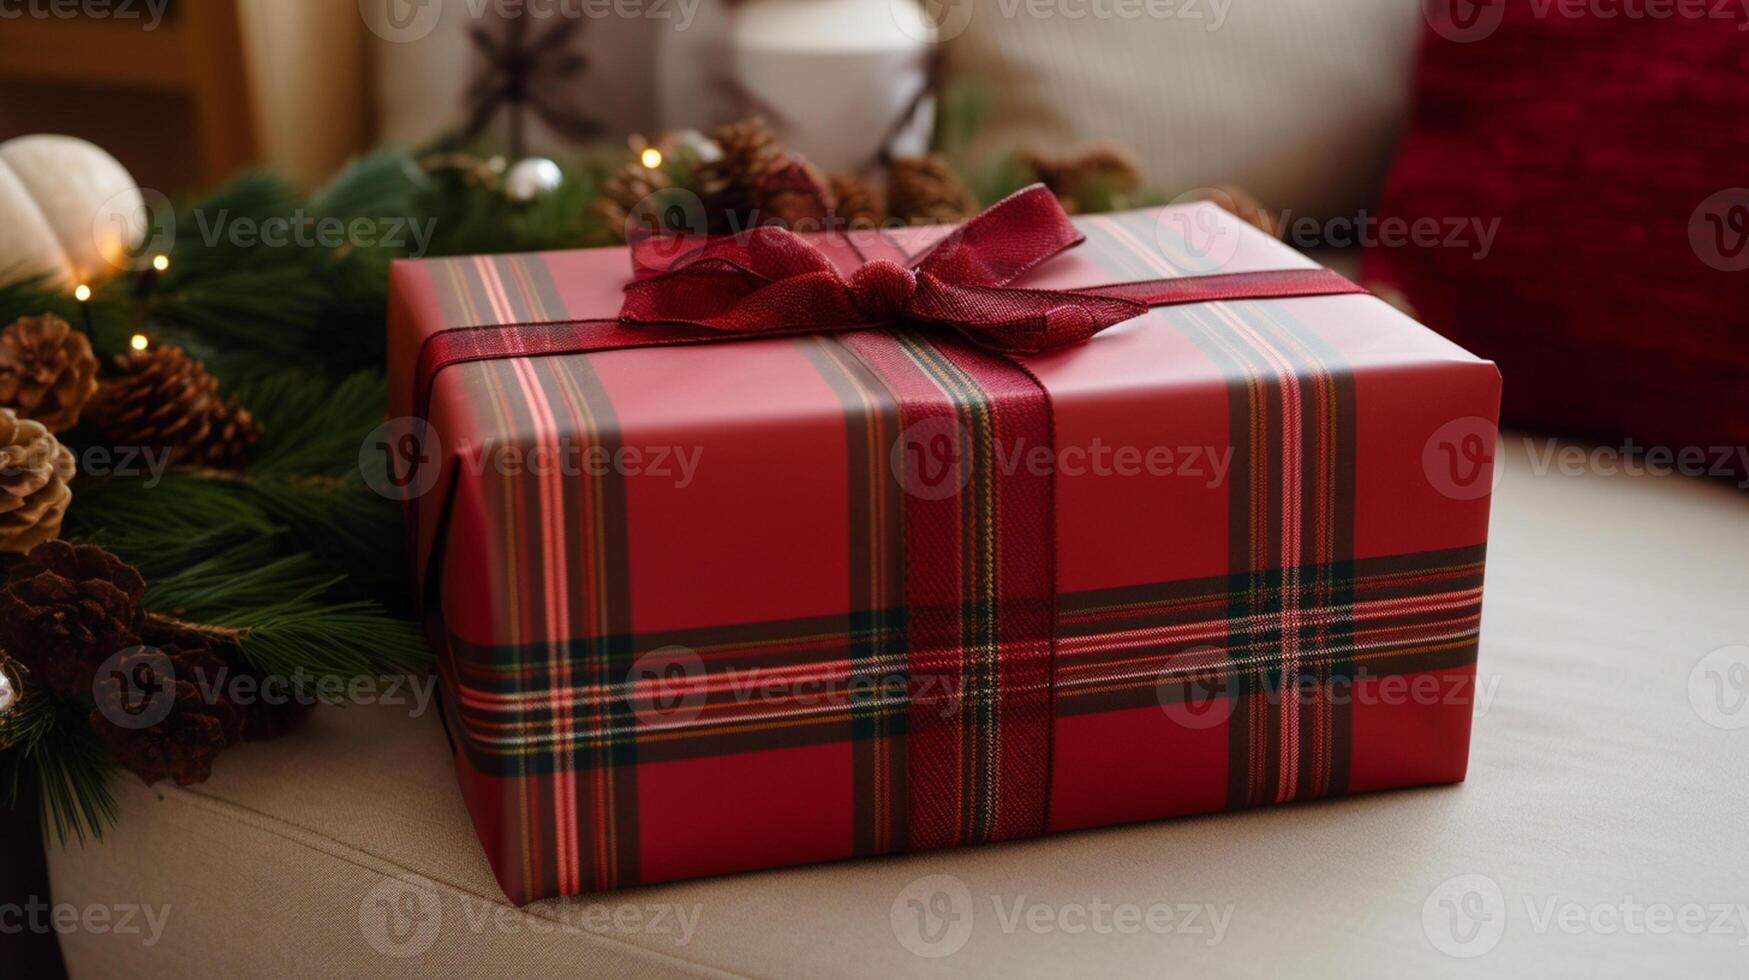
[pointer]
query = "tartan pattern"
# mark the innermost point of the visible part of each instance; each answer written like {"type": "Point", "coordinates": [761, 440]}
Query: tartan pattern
{"type": "Point", "coordinates": [1292, 625]}
{"type": "Point", "coordinates": [1291, 404]}
{"type": "Point", "coordinates": [810, 681]}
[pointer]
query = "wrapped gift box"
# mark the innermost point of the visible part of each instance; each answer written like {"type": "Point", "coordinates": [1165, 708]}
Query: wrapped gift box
{"type": "Point", "coordinates": [723, 606]}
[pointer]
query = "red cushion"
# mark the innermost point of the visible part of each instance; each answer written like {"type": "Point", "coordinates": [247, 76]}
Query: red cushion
{"type": "Point", "coordinates": [1608, 150]}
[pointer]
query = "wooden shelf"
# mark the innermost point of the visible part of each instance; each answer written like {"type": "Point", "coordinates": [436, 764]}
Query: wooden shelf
{"type": "Point", "coordinates": [96, 52]}
{"type": "Point", "coordinates": [196, 53]}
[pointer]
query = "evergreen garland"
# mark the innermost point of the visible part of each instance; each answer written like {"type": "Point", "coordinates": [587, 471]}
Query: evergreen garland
{"type": "Point", "coordinates": [294, 564]}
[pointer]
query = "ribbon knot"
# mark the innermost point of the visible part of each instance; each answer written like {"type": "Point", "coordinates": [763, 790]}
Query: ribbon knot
{"type": "Point", "coordinates": [882, 289]}
{"type": "Point", "coordinates": [770, 280]}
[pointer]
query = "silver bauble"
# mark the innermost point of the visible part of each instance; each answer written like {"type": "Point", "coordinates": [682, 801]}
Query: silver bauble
{"type": "Point", "coordinates": [531, 179]}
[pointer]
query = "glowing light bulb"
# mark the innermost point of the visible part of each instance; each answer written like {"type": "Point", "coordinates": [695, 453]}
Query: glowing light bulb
{"type": "Point", "coordinates": [139, 342]}
{"type": "Point", "coordinates": [161, 262]}
{"type": "Point", "coordinates": [82, 292]}
{"type": "Point", "coordinates": [651, 157]}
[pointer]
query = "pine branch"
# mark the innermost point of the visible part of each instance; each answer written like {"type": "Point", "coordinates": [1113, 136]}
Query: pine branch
{"type": "Point", "coordinates": [66, 765]}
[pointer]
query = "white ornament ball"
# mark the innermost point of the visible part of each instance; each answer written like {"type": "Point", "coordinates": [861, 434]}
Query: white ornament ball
{"type": "Point", "coordinates": [68, 210]}
{"type": "Point", "coordinates": [532, 178]}
{"type": "Point", "coordinates": [8, 693]}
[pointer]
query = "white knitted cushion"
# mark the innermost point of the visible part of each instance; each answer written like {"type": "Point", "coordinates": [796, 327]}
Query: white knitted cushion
{"type": "Point", "coordinates": [1298, 101]}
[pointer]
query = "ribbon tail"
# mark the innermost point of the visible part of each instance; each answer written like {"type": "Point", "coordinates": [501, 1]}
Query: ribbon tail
{"type": "Point", "coordinates": [1018, 321]}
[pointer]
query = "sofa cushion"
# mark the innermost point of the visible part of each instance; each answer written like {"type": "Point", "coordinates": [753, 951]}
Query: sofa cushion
{"type": "Point", "coordinates": [1607, 155]}
{"type": "Point", "coordinates": [1604, 764]}
{"type": "Point", "coordinates": [1298, 101]}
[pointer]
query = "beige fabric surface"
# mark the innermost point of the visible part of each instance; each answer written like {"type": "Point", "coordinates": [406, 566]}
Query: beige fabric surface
{"type": "Point", "coordinates": [1299, 101]}
{"type": "Point", "coordinates": [1596, 779]}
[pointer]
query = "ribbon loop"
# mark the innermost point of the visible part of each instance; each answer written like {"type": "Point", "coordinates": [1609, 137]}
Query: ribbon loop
{"type": "Point", "coordinates": [772, 280]}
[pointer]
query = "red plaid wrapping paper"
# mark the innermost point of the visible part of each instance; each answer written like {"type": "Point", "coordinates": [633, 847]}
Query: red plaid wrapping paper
{"type": "Point", "coordinates": [678, 587]}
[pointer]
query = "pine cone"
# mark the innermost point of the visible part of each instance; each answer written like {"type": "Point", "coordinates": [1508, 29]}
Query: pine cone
{"type": "Point", "coordinates": [793, 194]}
{"type": "Point", "coordinates": [65, 610]}
{"type": "Point", "coordinates": [183, 745]}
{"type": "Point", "coordinates": [927, 191]}
{"type": "Point", "coordinates": [47, 370]}
{"type": "Point", "coordinates": [164, 399]}
{"type": "Point", "coordinates": [861, 204]}
{"type": "Point", "coordinates": [268, 715]}
{"type": "Point", "coordinates": [34, 470]}
{"type": "Point", "coordinates": [729, 184]}
{"type": "Point", "coordinates": [624, 191]}
{"type": "Point", "coordinates": [1087, 178]}
{"type": "Point", "coordinates": [1240, 202]}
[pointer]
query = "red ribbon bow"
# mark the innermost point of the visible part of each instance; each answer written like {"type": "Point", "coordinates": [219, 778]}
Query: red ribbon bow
{"type": "Point", "coordinates": [770, 280]}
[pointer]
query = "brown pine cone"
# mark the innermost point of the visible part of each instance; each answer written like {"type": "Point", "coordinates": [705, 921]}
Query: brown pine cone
{"type": "Point", "coordinates": [275, 710]}
{"type": "Point", "coordinates": [1238, 201]}
{"type": "Point", "coordinates": [927, 191]}
{"type": "Point", "coordinates": [65, 610]}
{"type": "Point", "coordinates": [164, 399]}
{"type": "Point", "coordinates": [729, 184]}
{"type": "Point", "coordinates": [47, 370]}
{"type": "Point", "coordinates": [200, 723]}
{"type": "Point", "coordinates": [1081, 179]}
{"type": "Point", "coordinates": [793, 194]}
{"type": "Point", "coordinates": [861, 204]}
{"type": "Point", "coordinates": [622, 192]}
{"type": "Point", "coordinates": [34, 470]}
